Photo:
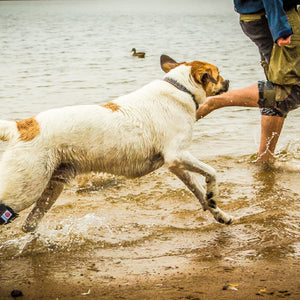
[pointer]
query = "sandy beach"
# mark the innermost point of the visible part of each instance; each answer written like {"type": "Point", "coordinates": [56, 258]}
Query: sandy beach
{"type": "Point", "coordinates": [209, 280]}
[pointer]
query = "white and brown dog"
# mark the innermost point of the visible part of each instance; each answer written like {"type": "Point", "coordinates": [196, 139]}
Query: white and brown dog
{"type": "Point", "coordinates": [131, 136]}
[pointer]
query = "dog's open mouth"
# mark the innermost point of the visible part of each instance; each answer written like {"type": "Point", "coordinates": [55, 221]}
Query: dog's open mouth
{"type": "Point", "coordinates": [221, 91]}
{"type": "Point", "coordinates": [225, 87]}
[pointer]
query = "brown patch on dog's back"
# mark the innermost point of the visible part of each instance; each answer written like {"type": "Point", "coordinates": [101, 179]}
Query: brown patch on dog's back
{"type": "Point", "coordinates": [112, 106]}
{"type": "Point", "coordinates": [28, 129]}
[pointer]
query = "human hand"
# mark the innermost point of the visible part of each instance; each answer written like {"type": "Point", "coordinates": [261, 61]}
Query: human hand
{"type": "Point", "coordinates": [283, 41]}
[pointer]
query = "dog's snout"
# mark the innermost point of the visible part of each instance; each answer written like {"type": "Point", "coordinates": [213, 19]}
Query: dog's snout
{"type": "Point", "coordinates": [223, 87]}
{"type": "Point", "coordinates": [226, 85]}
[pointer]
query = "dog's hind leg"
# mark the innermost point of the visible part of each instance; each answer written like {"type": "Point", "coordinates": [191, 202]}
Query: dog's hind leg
{"type": "Point", "coordinates": [184, 163]}
{"type": "Point", "coordinates": [42, 205]}
{"type": "Point", "coordinates": [60, 176]}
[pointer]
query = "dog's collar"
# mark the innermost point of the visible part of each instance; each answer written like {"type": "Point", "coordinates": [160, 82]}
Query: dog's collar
{"type": "Point", "coordinates": [7, 214]}
{"type": "Point", "coordinates": [182, 88]}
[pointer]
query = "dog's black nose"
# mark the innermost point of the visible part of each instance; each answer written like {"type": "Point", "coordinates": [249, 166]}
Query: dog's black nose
{"type": "Point", "coordinates": [226, 85]}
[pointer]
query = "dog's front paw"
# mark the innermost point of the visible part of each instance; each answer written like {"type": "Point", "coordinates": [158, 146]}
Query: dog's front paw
{"type": "Point", "coordinates": [224, 219]}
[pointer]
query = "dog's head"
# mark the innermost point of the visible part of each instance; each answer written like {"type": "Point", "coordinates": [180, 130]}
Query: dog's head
{"type": "Point", "coordinates": [203, 75]}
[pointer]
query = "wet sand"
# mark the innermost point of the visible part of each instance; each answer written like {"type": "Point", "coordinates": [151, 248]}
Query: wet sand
{"type": "Point", "coordinates": [156, 243]}
{"type": "Point", "coordinates": [176, 280]}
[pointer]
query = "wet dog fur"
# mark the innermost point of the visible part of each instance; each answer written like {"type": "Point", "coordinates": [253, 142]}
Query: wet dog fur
{"type": "Point", "coordinates": [130, 136]}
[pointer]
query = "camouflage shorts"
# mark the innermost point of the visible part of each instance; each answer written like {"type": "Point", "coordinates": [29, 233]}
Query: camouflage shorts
{"type": "Point", "coordinates": [281, 92]}
{"type": "Point", "coordinates": [275, 100]}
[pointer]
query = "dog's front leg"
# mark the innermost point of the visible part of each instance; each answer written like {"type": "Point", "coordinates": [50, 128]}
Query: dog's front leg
{"type": "Point", "coordinates": [192, 183]}
{"type": "Point", "coordinates": [184, 162]}
{"type": "Point", "coordinates": [43, 204]}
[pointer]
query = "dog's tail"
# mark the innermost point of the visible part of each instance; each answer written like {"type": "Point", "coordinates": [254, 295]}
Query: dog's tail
{"type": "Point", "coordinates": [8, 130]}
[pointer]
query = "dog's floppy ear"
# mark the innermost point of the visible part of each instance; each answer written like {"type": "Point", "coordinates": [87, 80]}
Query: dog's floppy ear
{"type": "Point", "coordinates": [167, 63]}
{"type": "Point", "coordinates": [206, 78]}
{"type": "Point", "coordinates": [203, 76]}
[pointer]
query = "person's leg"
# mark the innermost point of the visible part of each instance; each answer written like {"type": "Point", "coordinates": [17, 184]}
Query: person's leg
{"type": "Point", "coordinates": [270, 131]}
{"type": "Point", "coordinates": [247, 97]}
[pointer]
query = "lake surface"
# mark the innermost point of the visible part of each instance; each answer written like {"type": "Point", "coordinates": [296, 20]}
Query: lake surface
{"type": "Point", "coordinates": [57, 53]}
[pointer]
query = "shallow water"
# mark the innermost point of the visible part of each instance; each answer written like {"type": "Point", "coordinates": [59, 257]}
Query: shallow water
{"type": "Point", "coordinates": [56, 53]}
{"type": "Point", "coordinates": [155, 216]}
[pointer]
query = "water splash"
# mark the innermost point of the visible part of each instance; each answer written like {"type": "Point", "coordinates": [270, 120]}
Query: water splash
{"type": "Point", "coordinates": [68, 234]}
